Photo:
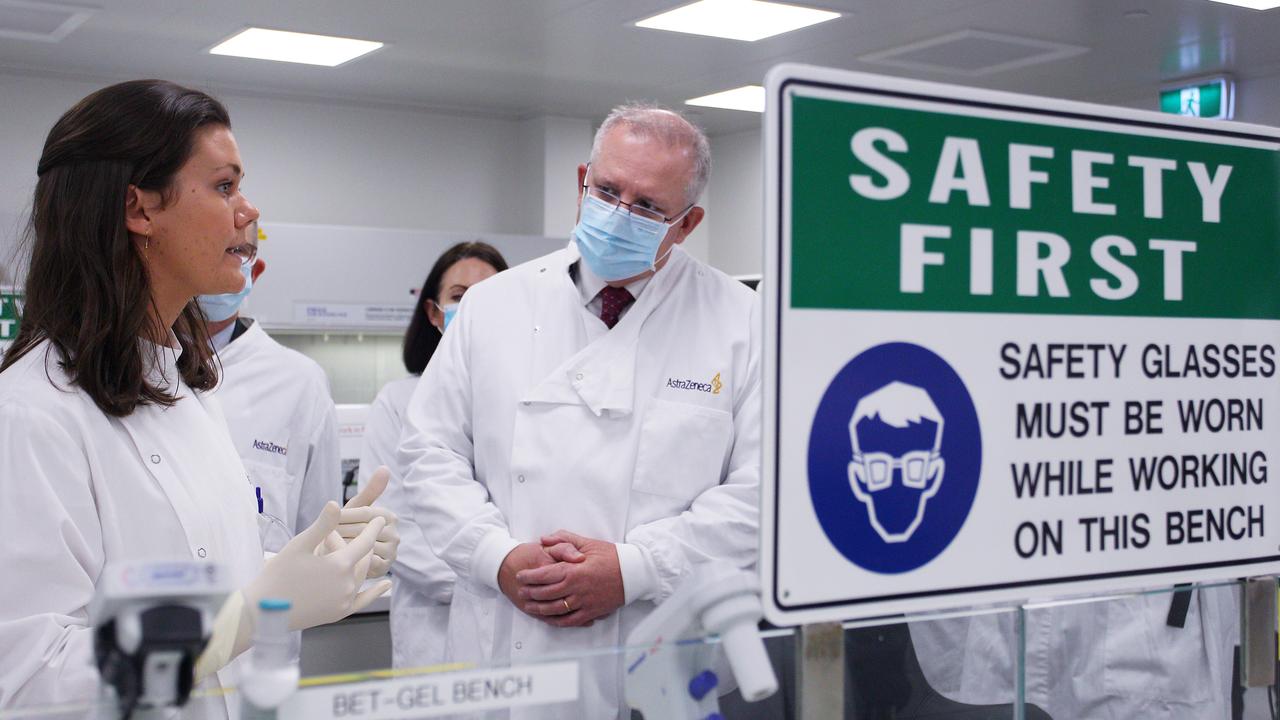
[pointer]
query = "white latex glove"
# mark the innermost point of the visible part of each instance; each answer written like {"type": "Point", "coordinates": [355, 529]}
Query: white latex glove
{"type": "Point", "coordinates": [323, 585]}
{"type": "Point", "coordinates": [359, 512]}
{"type": "Point", "coordinates": [229, 637]}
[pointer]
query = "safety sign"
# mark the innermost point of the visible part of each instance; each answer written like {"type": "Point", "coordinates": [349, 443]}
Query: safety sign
{"type": "Point", "coordinates": [1015, 347]}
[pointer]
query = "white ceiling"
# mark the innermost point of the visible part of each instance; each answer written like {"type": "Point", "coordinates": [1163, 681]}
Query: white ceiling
{"type": "Point", "coordinates": [523, 58]}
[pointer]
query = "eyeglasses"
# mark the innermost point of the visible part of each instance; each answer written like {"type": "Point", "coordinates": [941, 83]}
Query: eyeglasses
{"type": "Point", "coordinates": [914, 465]}
{"type": "Point", "coordinates": [641, 212]}
{"type": "Point", "coordinates": [248, 252]}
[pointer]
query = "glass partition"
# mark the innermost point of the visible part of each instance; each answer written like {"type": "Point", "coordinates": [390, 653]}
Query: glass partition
{"type": "Point", "coordinates": [1164, 653]}
{"type": "Point", "coordinates": [1170, 652]}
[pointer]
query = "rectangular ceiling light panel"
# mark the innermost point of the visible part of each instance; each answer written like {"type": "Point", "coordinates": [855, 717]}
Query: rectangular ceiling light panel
{"type": "Point", "coordinates": [737, 19]}
{"type": "Point", "coordinates": [1252, 4]}
{"type": "Point", "coordinates": [294, 47]}
{"type": "Point", "coordinates": [748, 97]}
{"type": "Point", "coordinates": [974, 53]}
{"type": "Point", "coordinates": [40, 21]}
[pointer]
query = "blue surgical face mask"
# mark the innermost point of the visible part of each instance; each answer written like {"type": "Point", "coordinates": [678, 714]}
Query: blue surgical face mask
{"type": "Point", "coordinates": [449, 311]}
{"type": "Point", "coordinates": [217, 308]}
{"type": "Point", "coordinates": [615, 244]}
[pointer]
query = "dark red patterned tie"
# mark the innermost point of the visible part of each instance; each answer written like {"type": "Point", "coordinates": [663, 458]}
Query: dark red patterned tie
{"type": "Point", "coordinates": [613, 300]}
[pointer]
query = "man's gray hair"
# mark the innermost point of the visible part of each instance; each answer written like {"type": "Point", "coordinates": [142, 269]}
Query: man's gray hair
{"type": "Point", "coordinates": [649, 120]}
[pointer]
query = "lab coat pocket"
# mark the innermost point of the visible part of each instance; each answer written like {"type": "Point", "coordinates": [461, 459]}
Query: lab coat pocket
{"type": "Point", "coordinates": [1146, 658]}
{"type": "Point", "coordinates": [419, 629]}
{"type": "Point", "coordinates": [682, 452]}
{"type": "Point", "coordinates": [472, 616]}
{"type": "Point", "coordinates": [275, 521]}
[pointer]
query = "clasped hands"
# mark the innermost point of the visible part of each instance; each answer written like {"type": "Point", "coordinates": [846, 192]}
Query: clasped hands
{"type": "Point", "coordinates": [565, 580]}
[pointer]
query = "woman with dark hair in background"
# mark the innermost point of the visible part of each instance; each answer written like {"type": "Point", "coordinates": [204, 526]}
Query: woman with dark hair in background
{"type": "Point", "coordinates": [111, 450]}
{"type": "Point", "coordinates": [423, 584]}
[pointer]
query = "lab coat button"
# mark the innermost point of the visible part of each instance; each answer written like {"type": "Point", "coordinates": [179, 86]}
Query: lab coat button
{"type": "Point", "coordinates": [201, 552]}
{"type": "Point", "coordinates": [519, 645]}
{"type": "Point", "coordinates": [520, 478]}
{"type": "Point", "coordinates": [155, 459]}
{"type": "Point", "coordinates": [579, 376]}
{"type": "Point", "coordinates": [524, 402]}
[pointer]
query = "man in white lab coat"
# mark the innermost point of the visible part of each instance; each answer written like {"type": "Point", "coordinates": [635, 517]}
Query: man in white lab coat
{"type": "Point", "coordinates": [1162, 655]}
{"type": "Point", "coordinates": [279, 411]}
{"type": "Point", "coordinates": [589, 429]}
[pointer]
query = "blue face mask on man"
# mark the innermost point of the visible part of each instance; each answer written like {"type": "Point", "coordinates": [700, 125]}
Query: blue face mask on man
{"type": "Point", "coordinates": [217, 308]}
{"type": "Point", "coordinates": [616, 244]}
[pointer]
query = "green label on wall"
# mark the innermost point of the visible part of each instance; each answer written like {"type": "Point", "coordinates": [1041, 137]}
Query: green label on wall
{"type": "Point", "coordinates": [928, 210]}
{"type": "Point", "coordinates": [10, 305]}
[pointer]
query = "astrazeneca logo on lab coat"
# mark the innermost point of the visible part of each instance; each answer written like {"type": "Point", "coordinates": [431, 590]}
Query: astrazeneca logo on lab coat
{"type": "Point", "coordinates": [269, 447]}
{"type": "Point", "coordinates": [714, 387]}
{"type": "Point", "coordinates": [894, 458]}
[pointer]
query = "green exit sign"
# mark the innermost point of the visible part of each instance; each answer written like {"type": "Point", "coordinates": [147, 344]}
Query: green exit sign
{"type": "Point", "coordinates": [1213, 99]}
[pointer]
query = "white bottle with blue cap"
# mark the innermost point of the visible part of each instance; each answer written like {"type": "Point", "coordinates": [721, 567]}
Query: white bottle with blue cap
{"type": "Point", "coordinates": [271, 674]}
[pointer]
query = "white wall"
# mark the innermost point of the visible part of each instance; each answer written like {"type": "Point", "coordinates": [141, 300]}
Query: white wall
{"type": "Point", "coordinates": [554, 147]}
{"type": "Point", "coordinates": [736, 207]}
{"type": "Point", "coordinates": [334, 163]}
{"type": "Point", "coordinates": [28, 108]}
{"type": "Point", "coordinates": [736, 189]}
{"type": "Point", "coordinates": [1258, 101]}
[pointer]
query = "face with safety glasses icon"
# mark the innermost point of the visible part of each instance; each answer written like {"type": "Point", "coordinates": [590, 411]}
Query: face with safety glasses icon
{"type": "Point", "coordinates": [896, 467]}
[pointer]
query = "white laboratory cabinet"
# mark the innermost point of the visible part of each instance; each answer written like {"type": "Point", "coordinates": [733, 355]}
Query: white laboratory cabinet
{"type": "Point", "coordinates": [358, 279]}
{"type": "Point", "coordinates": [343, 295]}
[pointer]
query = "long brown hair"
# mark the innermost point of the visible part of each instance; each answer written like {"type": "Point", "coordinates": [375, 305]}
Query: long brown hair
{"type": "Point", "coordinates": [87, 289]}
{"type": "Point", "coordinates": [422, 338]}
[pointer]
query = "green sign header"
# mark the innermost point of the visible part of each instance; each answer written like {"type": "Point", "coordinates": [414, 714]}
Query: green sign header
{"type": "Point", "coordinates": [902, 208]}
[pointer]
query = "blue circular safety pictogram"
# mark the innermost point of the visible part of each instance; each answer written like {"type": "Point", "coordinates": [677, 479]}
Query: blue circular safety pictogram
{"type": "Point", "coordinates": [895, 453]}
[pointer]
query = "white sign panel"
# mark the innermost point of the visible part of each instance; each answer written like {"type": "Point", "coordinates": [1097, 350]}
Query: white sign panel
{"type": "Point", "coordinates": [427, 696]}
{"type": "Point", "coordinates": [1016, 348]}
{"type": "Point", "coordinates": [322, 314]}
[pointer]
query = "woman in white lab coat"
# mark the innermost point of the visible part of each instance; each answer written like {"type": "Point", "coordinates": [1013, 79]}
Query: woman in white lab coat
{"type": "Point", "coordinates": [111, 450]}
{"type": "Point", "coordinates": [423, 583]}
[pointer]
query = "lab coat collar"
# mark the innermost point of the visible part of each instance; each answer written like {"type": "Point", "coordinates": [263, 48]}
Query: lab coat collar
{"type": "Point", "coordinates": [222, 338]}
{"type": "Point", "coordinates": [244, 345]}
{"type": "Point", "coordinates": [602, 375]}
{"type": "Point", "coordinates": [589, 284]}
{"type": "Point", "coordinates": [161, 361]}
